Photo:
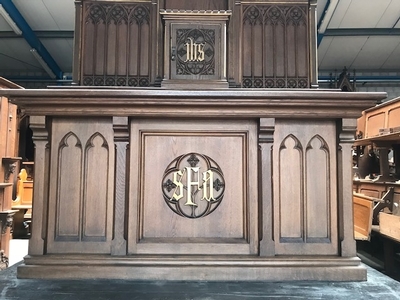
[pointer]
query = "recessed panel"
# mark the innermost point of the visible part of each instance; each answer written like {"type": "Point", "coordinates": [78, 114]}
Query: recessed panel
{"type": "Point", "coordinates": [193, 187]}
{"type": "Point", "coordinates": [159, 220]}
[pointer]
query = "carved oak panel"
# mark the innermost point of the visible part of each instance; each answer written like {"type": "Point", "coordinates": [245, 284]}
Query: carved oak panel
{"type": "Point", "coordinates": [171, 161]}
{"type": "Point", "coordinates": [116, 44]}
{"type": "Point", "coordinates": [81, 186]}
{"type": "Point", "coordinates": [305, 204]}
{"type": "Point", "coordinates": [275, 46]}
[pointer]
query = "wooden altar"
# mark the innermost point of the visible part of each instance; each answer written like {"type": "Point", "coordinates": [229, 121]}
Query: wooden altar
{"type": "Point", "coordinates": [283, 158]}
{"type": "Point", "coordinates": [192, 147]}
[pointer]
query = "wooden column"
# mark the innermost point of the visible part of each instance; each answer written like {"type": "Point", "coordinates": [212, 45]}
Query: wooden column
{"type": "Point", "coordinates": [121, 139]}
{"type": "Point", "coordinates": [266, 140]}
{"type": "Point", "coordinates": [41, 184]}
{"type": "Point", "coordinates": [313, 44]}
{"type": "Point", "coordinates": [347, 130]}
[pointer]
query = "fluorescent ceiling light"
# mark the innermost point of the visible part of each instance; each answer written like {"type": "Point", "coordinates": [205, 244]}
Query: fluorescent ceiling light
{"type": "Point", "coordinates": [42, 63]}
{"type": "Point", "coordinates": [10, 21]}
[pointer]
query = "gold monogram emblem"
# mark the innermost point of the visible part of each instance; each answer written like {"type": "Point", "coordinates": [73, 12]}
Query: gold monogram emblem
{"type": "Point", "coordinates": [193, 185]}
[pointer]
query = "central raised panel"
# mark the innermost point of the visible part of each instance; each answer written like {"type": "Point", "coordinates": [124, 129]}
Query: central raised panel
{"type": "Point", "coordinates": [190, 155]}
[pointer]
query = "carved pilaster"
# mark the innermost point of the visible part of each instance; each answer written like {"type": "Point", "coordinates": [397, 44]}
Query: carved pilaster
{"type": "Point", "coordinates": [234, 53]}
{"type": "Point", "coordinates": [121, 138]}
{"type": "Point", "coordinates": [347, 130]}
{"type": "Point", "coordinates": [266, 139]}
{"type": "Point", "coordinates": [40, 188]}
{"type": "Point", "coordinates": [313, 44]}
{"type": "Point", "coordinates": [76, 75]}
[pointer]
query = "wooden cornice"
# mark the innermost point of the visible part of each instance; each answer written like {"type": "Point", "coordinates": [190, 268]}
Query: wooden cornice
{"type": "Point", "coordinates": [227, 103]}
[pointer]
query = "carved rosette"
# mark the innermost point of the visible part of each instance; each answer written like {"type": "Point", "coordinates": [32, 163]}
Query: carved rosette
{"type": "Point", "coordinates": [193, 185]}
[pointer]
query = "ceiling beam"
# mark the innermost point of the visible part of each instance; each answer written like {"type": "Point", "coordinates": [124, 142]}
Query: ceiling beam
{"type": "Point", "coordinates": [326, 17]}
{"type": "Point", "coordinates": [44, 57]}
{"type": "Point", "coordinates": [362, 32]}
{"type": "Point", "coordinates": [48, 34]}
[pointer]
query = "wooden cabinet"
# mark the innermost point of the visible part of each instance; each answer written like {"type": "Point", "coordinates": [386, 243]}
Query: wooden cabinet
{"type": "Point", "coordinates": [9, 164]}
{"type": "Point", "coordinates": [379, 137]}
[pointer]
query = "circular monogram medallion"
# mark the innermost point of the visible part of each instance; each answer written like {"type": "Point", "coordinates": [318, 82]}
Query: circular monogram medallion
{"type": "Point", "coordinates": [193, 185]}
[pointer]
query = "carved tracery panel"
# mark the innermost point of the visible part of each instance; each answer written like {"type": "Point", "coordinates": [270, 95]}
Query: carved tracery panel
{"type": "Point", "coordinates": [275, 46]}
{"type": "Point", "coordinates": [116, 44]}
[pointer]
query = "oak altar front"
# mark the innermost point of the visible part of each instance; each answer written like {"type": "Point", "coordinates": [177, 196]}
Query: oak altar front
{"type": "Point", "coordinates": [192, 185]}
{"type": "Point", "coordinates": [194, 145]}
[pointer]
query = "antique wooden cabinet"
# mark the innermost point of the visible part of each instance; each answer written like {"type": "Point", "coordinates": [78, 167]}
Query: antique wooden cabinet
{"type": "Point", "coordinates": [9, 163]}
{"type": "Point", "coordinates": [251, 44]}
{"type": "Point", "coordinates": [196, 161]}
{"type": "Point", "coordinates": [377, 176]}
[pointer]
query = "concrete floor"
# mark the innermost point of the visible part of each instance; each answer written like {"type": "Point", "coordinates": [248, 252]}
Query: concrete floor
{"type": "Point", "coordinates": [378, 286]}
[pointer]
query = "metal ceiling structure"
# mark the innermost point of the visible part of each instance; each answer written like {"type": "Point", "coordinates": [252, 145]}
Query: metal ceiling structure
{"type": "Point", "coordinates": [36, 39]}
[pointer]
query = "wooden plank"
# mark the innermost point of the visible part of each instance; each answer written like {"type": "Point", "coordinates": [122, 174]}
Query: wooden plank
{"type": "Point", "coordinates": [389, 225]}
{"type": "Point", "coordinates": [362, 210]}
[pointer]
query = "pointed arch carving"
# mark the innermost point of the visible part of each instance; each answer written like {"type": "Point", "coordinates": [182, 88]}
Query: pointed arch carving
{"type": "Point", "coordinates": [274, 15]}
{"type": "Point", "coordinates": [291, 190]}
{"type": "Point", "coordinates": [116, 44]}
{"type": "Point", "coordinates": [317, 194]}
{"type": "Point", "coordinates": [275, 46]}
{"type": "Point", "coordinates": [252, 15]}
{"type": "Point", "coordinates": [118, 15]}
{"type": "Point", "coordinates": [95, 188]}
{"type": "Point", "coordinates": [296, 16]}
{"type": "Point", "coordinates": [69, 165]}
{"type": "Point", "coordinates": [64, 140]}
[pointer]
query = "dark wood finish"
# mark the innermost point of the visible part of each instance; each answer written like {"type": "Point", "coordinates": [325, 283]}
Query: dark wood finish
{"type": "Point", "coordinates": [195, 49]}
{"type": "Point", "coordinates": [116, 40]}
{"type": "Point", "coordinates": [81, 211]}
{"type": "Point", "coordinates": [269, 44]}
{"type": "Point", "coordinates": [280, 157]}
{"type": "Point", "coordinates": [266, 142]}
{"type": "Point", "coordinates": [158, 229]}
{"type": "Point", "coordinates": [276, 45]}
{"type": "Point", "coordinates": [153, 102]}
{"type": "Point", "coordinates": [196, 5]}
{"type": "Point", "coordinates": [305, 206]}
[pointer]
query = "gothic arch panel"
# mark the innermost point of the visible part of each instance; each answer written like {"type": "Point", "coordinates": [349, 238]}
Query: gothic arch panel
{"type": "Point", "coordinates": [68, 191]}
{"type": "Point", "coordinates": [317, 190]}
{"type": "Point", "coordinates": [94, 208]}
{"type": "Point", "coordinates": [291, 190]}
